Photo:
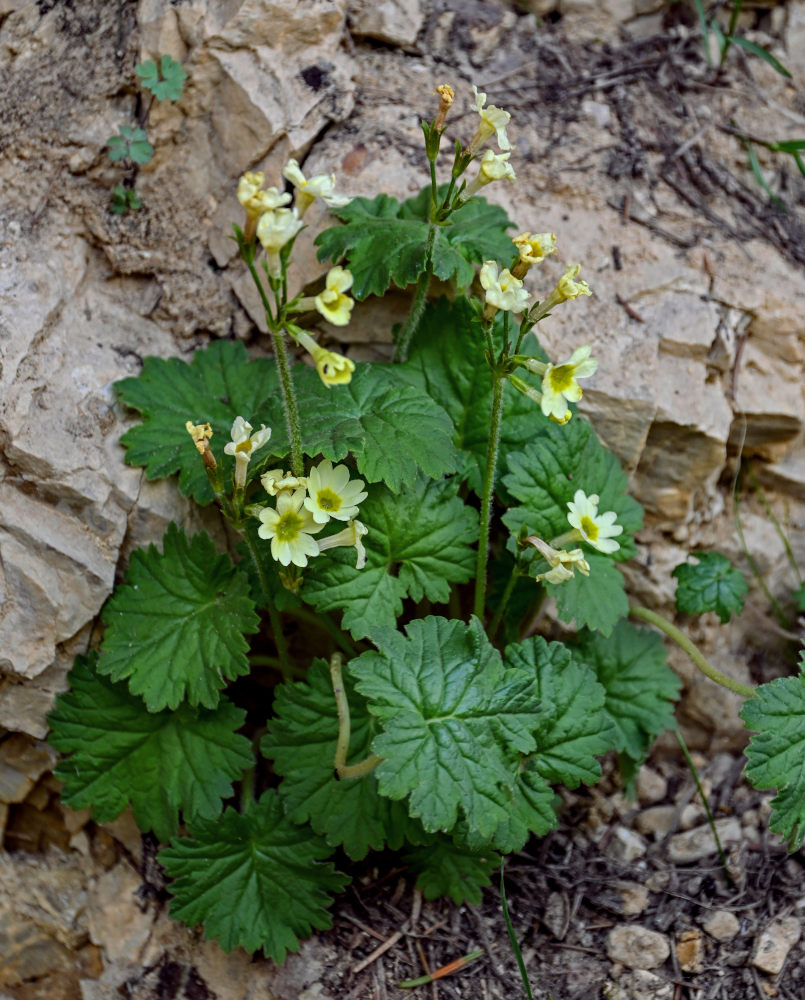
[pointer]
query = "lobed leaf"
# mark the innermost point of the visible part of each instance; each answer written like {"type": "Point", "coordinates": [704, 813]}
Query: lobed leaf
{"type": "Point", "coordinates": [252, 879]}
{"type": "Point", "coordinates": [219, 384]}
{"type": "Point", "coordinates": [776, 752]}
{"type": "Point", "coordinates": [419, 542]}
{"type": "Point", "coordinates": [161, 763]}
{"type": "Point", "coordinates": [175, 628]}
{"type": "Point", "coordinates": [301, 741]}
{"type": "Point", "coordinates": [640, 687]}
{"type": "Point", "coordinates": [712, 584]}
{"type": "Point", "coordinates": [167, 80]}
{"type": "Point", "coordinates": [452, 721]}
{"type": "Point", "coordinates": [445, 868]}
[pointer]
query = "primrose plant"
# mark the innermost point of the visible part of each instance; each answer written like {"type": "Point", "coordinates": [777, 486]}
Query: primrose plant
{"type": "Point", "coordinates": [363, 496]}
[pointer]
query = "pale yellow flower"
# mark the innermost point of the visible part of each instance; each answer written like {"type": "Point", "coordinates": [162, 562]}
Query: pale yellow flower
{"type": "Point", "coordinates": [332, 303]}
{"type": "Point", "coordinates": [274, 229]}
{"type": "Point", "coordinates": [331, 493]}
{"type": "Point", "coordinates": [493, 122]}
{"type": "Point", "coordinates": [255, 201]}
{"type": "Point", "coordinates": [307, 190]}
{"type": "Point", "coordinates": [599, 530]}
{"type": "Point", "coordinates": [503, 290]}
{"type": "Point", "coordinates": [559, 383]}
{"type": "Point", "coordinates": [534, 249]}
{"type": "Point", "coordinates": [275, 481]}
{"type": "Point", "coordinates": [493, 167]}
{"type": "Point", "coordinates": [351, 535]}
{"type": "Point", "coordinates": [243, 444]}
{"type": "Point", "coordinates": [561, 561]}
{"type": "Point", "coordinates": [333, 368]}
{"type": "Point", "coordinates": [289, 527]}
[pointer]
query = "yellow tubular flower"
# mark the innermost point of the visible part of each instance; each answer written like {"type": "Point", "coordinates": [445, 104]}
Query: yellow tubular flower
{"type": "Point", "coordinates": [567, 288]}
{"type": "Point", "coordinates": [493, 122]}
{"type": "Point", "coordinates": [534, 249]}
{"type": "Point", "coordinates": [559, 383]}
{"type": "Point", "coordinates": [275, 481]}
{"type": "Point", "coordinates": [243, 444]}
{"type": "Point", "coordinates": [332, 303]}
{"type": "Point", "coordinates": [200, 433]}
{"type": "Point", "coordinates": [333, 368]}
{"type": "Point", "coordinates": [274, 229]}
{"type": "Point", "coordinates": [503, 290]}
{"type": "Point", "coordinates": [493, 167]}
{"type": "Point", "coordinates": [351, 535]}
{"type": "Point", "coordinates": [321, 186]}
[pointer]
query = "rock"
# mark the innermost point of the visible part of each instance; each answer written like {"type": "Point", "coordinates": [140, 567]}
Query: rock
{"type": "Point", "coordinates": [690, 949]}
{"type": "Point", "coordinates": [774, 943]}
{"type": "Point", "coordinates": [698, 843]}
{"type": "Point", "coordinates": [116, 921]}
{"type": "Point", "coordinates": [555, 915]}
{"type": "Point", "coordinates": [626, 845]}
{"type": "Point", "coordinates": [722, 925]}
{"type": "Point", "coordinates": [22, 764]}
{"type": "Point", "coordinates": [655, 821]}
{"type": "Point", "coordinates": [397, 22]}
{"type": "Point", "coordinates": [637, 947]}
{"type": "Point", "coordinates": [651, 786]}
{"type": "Point", "coordinates": [639, 985]}
{"type": "Point", "coordinates": [634, 898]}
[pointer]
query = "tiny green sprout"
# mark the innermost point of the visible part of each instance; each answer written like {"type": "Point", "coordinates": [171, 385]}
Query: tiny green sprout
{"type": "Point", "coordinates": [124, 200]}
{"type": "Point", "coordinates": [164, 81]}
{"type": "Point", "coordinates": [132, 143]}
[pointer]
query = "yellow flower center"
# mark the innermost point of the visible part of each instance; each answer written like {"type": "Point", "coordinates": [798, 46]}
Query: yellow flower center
{"type": "Point", "coordinates": [244, 446]}
{"type": "Point", "coordinates": [561, 377]}
{"type": "Point", "coordinates": [288, 526]}
{"type": "Point", "coordinates": [590, 528]}
{"type": "Point", "coordinates": [328, 500]}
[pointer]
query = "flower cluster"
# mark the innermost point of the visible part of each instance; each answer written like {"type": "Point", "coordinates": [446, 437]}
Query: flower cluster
{"type": "Point", "coordinates": [305, 505]}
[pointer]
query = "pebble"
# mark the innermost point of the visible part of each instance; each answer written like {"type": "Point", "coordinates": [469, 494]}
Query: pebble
{"type": "Point", "coordinates": [626, 845]}
{"type": "Point", "coordinates": [698, 843]}
{"type": "Point", "coordinates": [690, 949]}
{"type": "Point", "coordinates": [634, 898]}
{"type": "Point", "coordinates": [722, 925]}
{"type": "Point", "coordinates": [639, 985]}
{"type": "Point", "coordinates": [774, 943]}
{"type": "Point", "coordinates": [651, 787]}
{"type": "Point", "coordinates": [637, 947]}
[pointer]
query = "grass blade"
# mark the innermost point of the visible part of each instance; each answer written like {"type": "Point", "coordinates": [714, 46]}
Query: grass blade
{"type": "Point", "coordinates": [513, 938]}
{"type": "Point", "coordinates": [755, 165]}
{"type": "Point", "coordinates": [705, 33]}
{"type": "Point", "coordinates": [760, 52]}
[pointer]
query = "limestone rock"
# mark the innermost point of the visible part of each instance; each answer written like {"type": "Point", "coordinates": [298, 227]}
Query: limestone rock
{"type": "Point", "coordinates": [774, 943]}
{"type": "Point", "coordinates": [722, 925]}
{"type": "Point", "coordinates": [397, 22]}
{"type": "Point", "coordinates": [698, 843]}
{"type": "Point", "coordinates": [639, 985]}
{"type": "Point", "coordinates": [637, 947]}
{"type": "Point", "coordinates": [651, 786]}
{"type": "Point", "coordinates": [22, 763]}
{"type": "Point", "coordinates": [626, 845]}
{"type": "Point", "coordinates": [116, 921]}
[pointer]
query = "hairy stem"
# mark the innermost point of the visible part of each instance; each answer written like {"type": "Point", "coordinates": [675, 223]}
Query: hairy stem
{"type": "Point", "coordinates": [411, 324]}
{"type": "Point", "coordinates": [342, 769]}
{"type": "Point", "coordinates": [289, 403]}
{"type": "Point", "coordinates": [690, 647]}
{"type": "Point", "coordinates": [498, 382]}
{"type": "Point", "coordinates": [273, 614]}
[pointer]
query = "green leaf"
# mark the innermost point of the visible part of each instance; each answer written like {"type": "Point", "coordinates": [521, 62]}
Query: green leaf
{"type": "Point", "coordinates": [544, 478]}
{"type": "Point", "coordinates": [754, 164]}
{"type": "Point", "coordinates": [712, 584]}
{"type": "Point", "coordinates": [161, 763]}
{"type": "Point", "coordinates": [445, 868]}
{"type": "Point", "coordinates": [799, 598]}
{"type": "Point", "coordinates": [253, 880]}
{"type": "Point", "coordinates": [640, 686]}
{"type": "Point", "coordinates": [301, 741]}
{"type": "Point", "coordinates": [446, 360]}
{"type": "Point", "coordinates": [776, 753]}
{"type": "Point", "coordinates": [172, 79]}
{"type": "Point", "coordinates": [131, 142]}
{"type": "Point", "coordinates": [452, 720]}
{"type": "Point", "coordinates": [392, 429]}
{"type": "Point", "coordinates": [759, 51]}
{"type": "Point", "coordinates": [419, 542]}
{"type": "Point", "coordinates": [175, 629]}
{"type": "Point", "coordinates": [218, 385]}
{"type": "Point", "coordinates": [386, 241]}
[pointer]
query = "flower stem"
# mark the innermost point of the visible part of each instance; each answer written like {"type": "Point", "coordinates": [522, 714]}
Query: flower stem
{"type": "Point", "coordinates": [507, 593]}
{"type": "Point", "coordinates": [498, 383]}
{"type": "Point", "coordinates": [273, 614]}
{"type": "Point", "coordinates": [342, 769]}
{"type": "Point", "coordinates": [286, 381]}
{"type": "Point", "coordinates": [411, 324]}
{"type": "Point", "coordinates": [690, 647]}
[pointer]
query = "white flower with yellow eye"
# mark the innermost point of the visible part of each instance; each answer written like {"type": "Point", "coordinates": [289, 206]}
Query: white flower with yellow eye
{"type": "Point", "coordinates": [534, 249]}
{"type": "Point", "coordinates": [503, 290]}
{"type": "Point", "coordinates": [599, 530]}
{"type": "Point", "coordinates": [332, 494]}
{"type": "Point", "coordinates": [493, 122]}
{"type": "Point", "coordinates": [307, 190]}
{"type": "Point", "coordinates": [559, 385]}
{"type": "Point", "coordinates": [493, 167]}
{"type": "Point", "coordinates": [351, 535]}
{"type": "Point", "coordinates": [331, 302]}
{"type": "Point", "coordinates": [289, 527]}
